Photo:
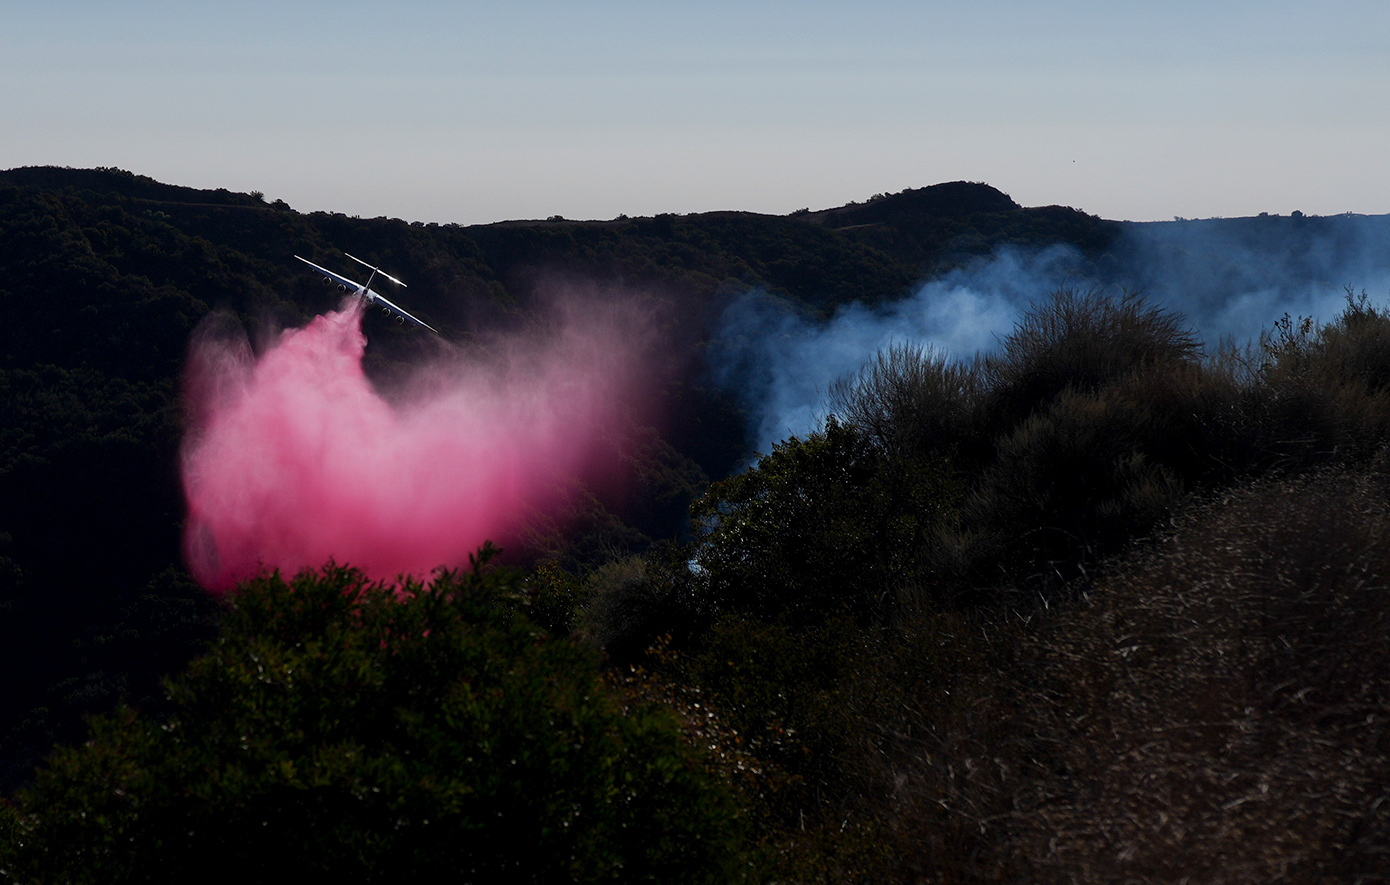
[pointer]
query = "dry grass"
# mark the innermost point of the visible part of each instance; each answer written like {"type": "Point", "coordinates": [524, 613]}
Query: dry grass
{"type": "Point", "coordinates": [1218, 712]}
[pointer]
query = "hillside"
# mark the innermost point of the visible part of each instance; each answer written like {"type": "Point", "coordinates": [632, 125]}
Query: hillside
{"type": "Point", "coordinates": [971, 612]}
{"type": "Point", "coordinates": [104, 275]}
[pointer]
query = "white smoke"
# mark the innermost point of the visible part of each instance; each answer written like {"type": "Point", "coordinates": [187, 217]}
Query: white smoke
{"type": "Point", "coordinates": [1234, 277]}
{"type": "Point", "coordinates": [1230, 279]}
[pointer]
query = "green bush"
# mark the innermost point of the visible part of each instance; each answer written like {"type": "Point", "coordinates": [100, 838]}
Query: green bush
{"type": "Point", "coordinates": [1352, 349]}
{"type": "Point", "coordinates": [633, 602]}
{"type": "Point", "coordinates": [553, 596]}
{"type": "Point", "coordinates": [1324, 391]}
{"type": "Point", "coordinates": [910, 400]}
{"type": "Point", "coordinates": [784, 690]}
{"type": "Point", "coordinates": [1070, 483]}
{"type": "Point", "coordinates": [345, 729]}
{"type": "Point", "coordinates": [1080, 342]}
{"type": "Point", "coordinates": [824, 526]}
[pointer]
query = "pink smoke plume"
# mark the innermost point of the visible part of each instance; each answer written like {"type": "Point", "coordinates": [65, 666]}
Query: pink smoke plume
{"type": "Point", "coordinates": [293, 457]}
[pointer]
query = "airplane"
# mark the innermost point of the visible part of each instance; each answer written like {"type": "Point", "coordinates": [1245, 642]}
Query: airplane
{"type": "Point", "coordinates": [364, 291]}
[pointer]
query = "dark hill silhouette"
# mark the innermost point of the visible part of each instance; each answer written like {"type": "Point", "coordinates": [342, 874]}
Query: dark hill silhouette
{"type": "Point", "coordinates": [934, 227]}
{"type": "Point", "coordinates": [106, 180]}
{"type": "Point", "coordinates": [860, 251]}
{"type": "Point", "coordinates": [952, 199]}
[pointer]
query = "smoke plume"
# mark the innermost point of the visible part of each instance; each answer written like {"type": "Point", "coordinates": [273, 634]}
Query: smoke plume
{"type": "Point", "coordinates": [1231, 278]}
{"type": "Point", "coordinates": [293, 457]}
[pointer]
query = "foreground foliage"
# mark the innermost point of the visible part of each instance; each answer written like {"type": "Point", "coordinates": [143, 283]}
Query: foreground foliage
{"type": "Point", "coordinates": [346, 729]}
{"type": "Point", "coordinates": [821, 527]}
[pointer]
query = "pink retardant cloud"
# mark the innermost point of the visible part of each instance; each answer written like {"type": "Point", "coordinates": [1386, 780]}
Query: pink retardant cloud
{"type": "Point", "coordinates": [293, 457]}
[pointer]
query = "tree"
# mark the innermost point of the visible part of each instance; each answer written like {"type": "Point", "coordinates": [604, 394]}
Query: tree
{"type": "Point", "coordinates": [350, 729]}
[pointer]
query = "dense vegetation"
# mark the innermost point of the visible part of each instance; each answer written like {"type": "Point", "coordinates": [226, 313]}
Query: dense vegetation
{"type": "Point", "coordinates": [343, 728]}
{"type": "Point", "coordinates": [1102, 607]}
{"type": "Point", "coordinates": [1108, 605]}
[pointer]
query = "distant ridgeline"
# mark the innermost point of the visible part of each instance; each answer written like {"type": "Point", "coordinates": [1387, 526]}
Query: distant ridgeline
{"type": "Point", "coordinates": [870, 251]}
{"type": "Point", "coordinates": [104, 275]}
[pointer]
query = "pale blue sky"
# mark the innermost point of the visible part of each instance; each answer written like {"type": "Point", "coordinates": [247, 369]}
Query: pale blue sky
{"type": "Point", "coordinates": [472, 112]}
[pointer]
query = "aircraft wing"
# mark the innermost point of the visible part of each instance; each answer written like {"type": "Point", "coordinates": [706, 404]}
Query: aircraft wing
{"type": "Point", "coordinates": [342, 281]}
{"type": "Point", "coordinates": [376, 297]}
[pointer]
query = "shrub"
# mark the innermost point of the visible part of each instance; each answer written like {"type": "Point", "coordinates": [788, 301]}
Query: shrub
{"type": "Point", "coordinates": [1071, 483]}
{"type": "Point", "coordinates": [1355, 348]}
{"type": "Point", "coordinates": [1325, 390]}
{"type": "Point", "coordinates": [1091, 470]}
{"type": "Point", "coordinates": [553, 596]}
{"type": "Point", "coordinates": [910, 400]}
{"type": "Point", "coordinates": [350, 730]}
{"type": "Point", "coordinates": [633, 602]}
{"type": "Point", "coordinates": [1080, 342]}
{"type": "Point", "coordinates": [1352, 349]}
{"type": "Point", "coordinates": [822, 527]}
{"type": "Point", "coordinates": [794, 700]}
{"type": "Point", "coordinates": [1113, 446]}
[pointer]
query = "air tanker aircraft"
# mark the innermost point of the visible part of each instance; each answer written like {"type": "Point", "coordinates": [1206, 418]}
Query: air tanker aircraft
{"type": "Point", "coordinates": [364, 291]}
